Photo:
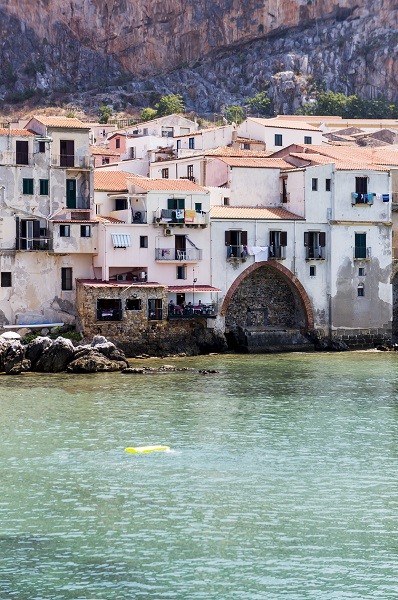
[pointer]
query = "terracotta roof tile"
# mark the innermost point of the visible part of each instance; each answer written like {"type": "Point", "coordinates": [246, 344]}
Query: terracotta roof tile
{"type": "Point", "coordinates": [100, 150]}
{"type": "Point", "coordinates": [248, 212]}
{"type": "Point", "coordinates": [104, 219]}
{"type": "Point", "coordinates": [264, 163]}
{"type": "Point", "coordinates": [111, 181]}
{"type": "Point", "coordinates": [284, 124]}
{"type": "Point", "coordinates": [62, 122]}
{"type": "Point", "coordinates": [172, 185]}
{"type": "Point", "coordinates": [237, 152]}
{"type": "Point", "coordinates": [17, 132]}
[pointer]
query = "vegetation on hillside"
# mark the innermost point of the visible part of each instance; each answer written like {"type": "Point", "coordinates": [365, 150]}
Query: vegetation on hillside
{"type": "Point", "coordinates": [350, 107]}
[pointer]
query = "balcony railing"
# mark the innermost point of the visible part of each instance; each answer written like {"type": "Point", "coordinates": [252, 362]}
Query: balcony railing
{"type": "Point", "coordinates": [167, 216]}
{"type": "Point", "coordinates": [277, 252]}
{"type": "Point", "coordinates": [192, 311]}
{"type": "Point", "coordinates": [234, 251]}
{"type": "Point", "coordinates": [33, 244]}
{"type": "Point", "coordinates": [362, 253]}
{"type": "Point", "coordinates": [71, 161]}
{"type": "Point", "coordinates": [192, 254]}
{"type": "Point", "coordinates": [16, 158]}
{"type": "Point", "coordinates": [362, 198]}
{"type": "Point", "coordinates": [315, 253]}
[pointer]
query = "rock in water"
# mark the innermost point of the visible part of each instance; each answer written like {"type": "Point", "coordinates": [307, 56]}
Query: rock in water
{"type": "Point", "coordinates": [56, 357]}
{"type": "Point", "coordinates": [94, 362]}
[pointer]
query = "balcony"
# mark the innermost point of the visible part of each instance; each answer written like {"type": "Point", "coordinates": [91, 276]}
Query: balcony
{"type": "Point", "coordinates": [186, 217]}
{"type": "Point", "coordinates": [362, 198]}
{"type": "Point", "coordinates": [71, 161]}
{"type": "Point", "coordinates": [34, 244]}
{"type": "Point", "coordinates": [171, 254]}
{"type": "Point", "coordinates": [277, 252]}
{"type": "Point", "coordinates": [235, 253]}
{"type": "Point", "coordinates": [315, 253]}
{"type": "Point", "coordinates": [16, 158]}
{"type": "Point", "coordinates": [362, 253]}
{"type": "Point", "coordinates": [192, 311]}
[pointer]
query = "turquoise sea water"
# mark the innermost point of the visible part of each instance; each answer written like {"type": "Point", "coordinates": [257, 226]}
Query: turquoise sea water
{"type": "Point", "coordinates": [282, 482]}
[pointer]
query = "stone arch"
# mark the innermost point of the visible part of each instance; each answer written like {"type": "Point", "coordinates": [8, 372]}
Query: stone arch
{"type": "Point", "coordinates": [288, 276]}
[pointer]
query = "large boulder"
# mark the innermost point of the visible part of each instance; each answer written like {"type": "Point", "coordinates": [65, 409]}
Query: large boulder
{"type": "Point", "coordinates": [35, 349]}
{"type": "Point", "coordinates": [94, 362]}
{"type": "Point", "coordinates": [13, 358]}
{"type": "Point", "coordinates": [56, 357]}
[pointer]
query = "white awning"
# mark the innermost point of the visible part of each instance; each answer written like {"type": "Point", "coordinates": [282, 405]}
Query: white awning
{"type": "Point", "coordinates": [121, 240]}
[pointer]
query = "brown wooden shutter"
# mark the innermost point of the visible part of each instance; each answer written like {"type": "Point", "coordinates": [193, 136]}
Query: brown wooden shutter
{"type": "Point", "coordinates": [306, 238]}
{"type": "Point", "coordinates": [243, 238]}
{"type": "Point", "coordinates": [322, 239]}
{"type": "Point", "coordinates": [227, 238]}
{"type": "Point", "coordinates": [283, 238]}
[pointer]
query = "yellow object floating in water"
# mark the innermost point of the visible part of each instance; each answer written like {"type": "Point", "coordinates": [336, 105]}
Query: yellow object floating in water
{"type": "Point", "coordinates": [146, 449]}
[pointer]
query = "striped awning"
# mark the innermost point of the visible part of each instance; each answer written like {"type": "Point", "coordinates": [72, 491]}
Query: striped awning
{"type": "Point", "coordinates": [121, 240]}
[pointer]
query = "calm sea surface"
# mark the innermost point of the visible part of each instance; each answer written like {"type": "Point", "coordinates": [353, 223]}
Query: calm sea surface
{"type": "Point", "coordinates": [282, 482]}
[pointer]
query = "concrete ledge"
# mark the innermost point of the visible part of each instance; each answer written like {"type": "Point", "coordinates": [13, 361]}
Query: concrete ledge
{"type": "Point", "coordinates": [33, 326]}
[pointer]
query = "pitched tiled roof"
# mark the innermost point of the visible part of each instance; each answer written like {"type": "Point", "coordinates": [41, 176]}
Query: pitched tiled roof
{"type": "Point", "coordinates": [248, 212]}
{"type": "Point", "coordinates": [192, 288]}
{"type": "Point", "coordinates": [264, 163]}
{"type": "Point", "coordinates": [100, 150]}
{"type": "Point", "coordinates": [62, 122]}
{"type": "Point", "coordinates": [111, 181]}
{"type": "Point", "coordinates": [284, 124]}
{"type": "Point", "coordinates": [200, 131]}
{"type": "Point", "coordinates": [103, 219]}
{"type": "Point", "coordinates": [16, 132]}
{"type": "Point", "coordinates": [172, 185]}
{"type": "Point", "coordinates": [236, 152]}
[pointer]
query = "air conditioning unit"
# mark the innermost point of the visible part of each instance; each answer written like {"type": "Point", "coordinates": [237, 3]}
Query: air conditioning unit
{"type": "Point", "coordinates": [168, 232]}
{"type": "Point", "coordinates": [122, 277]}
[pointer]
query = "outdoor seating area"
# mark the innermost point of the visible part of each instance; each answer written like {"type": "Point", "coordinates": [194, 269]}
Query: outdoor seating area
{"type": "Point", "coordinates": [189, 311]}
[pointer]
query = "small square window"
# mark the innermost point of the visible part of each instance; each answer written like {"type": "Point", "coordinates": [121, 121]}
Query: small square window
{"type": "Point", "coordinates": [182, 272]}
{"type": "Point", "coordinates": [64, 231]}
{"type": "Point", "coordinates": [6, 279]}
{"type": "Point", "coordinates": [278, 139]}
{"type": "Point", "coordinates": [43, 187]}
{"type": "Point", "coordinates": [226, 201]}
{"type": "Point", "coordinates": [27, 186]}
{"type": "Point", "coordinates": [361, 272]}
{"type": "Point", "coordinates": [85, 231]}
{"type": "Point", "coordinates": [198, 207]}
{"type": "Point", "coordinates": [117, 142]}
{"type": "Point", "coordinates": [143, 241]}
{"type": "Point", "coordinates": [361, 291]}
{"type": "Point", "coordinates": [191, 143]}
{"type": "Point", "coordinates": [133, 304]}
{"type": "Point", "coordinates": [312, 271]}
{"type": "Point", "coordinates": [307, 139]}
{"type": "Point", "coordinates": [165, 173]}
{"type": "Point", "coordinates": [42, 147]}
{"type": "Point", "coordinates": [328, 185]}
{"type": "Point", "coordinates": [314, 184]}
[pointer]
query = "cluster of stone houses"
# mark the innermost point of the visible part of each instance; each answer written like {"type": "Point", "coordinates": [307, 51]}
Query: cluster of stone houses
{"type": "Point", "coordinates": [265, 232]}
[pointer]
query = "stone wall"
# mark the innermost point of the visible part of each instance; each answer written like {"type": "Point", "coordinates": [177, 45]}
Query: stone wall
{"type": "Point", "coordinates": [265, 299]}
{"type": "Point", "coordinates": [356, 339]}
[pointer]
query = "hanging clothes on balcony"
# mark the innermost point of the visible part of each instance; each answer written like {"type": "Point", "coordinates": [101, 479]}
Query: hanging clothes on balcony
{"type": "Point", "coordinates": [189, 216]}
{"type": "Point", "coordinates": [260, 253]}
{"type": "Point", "coordinates": [180, 213]}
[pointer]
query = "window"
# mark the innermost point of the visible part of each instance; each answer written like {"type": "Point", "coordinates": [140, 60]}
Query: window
{"type": "Point", "coordinates": [191, 143]}
{"type": "Point", "coordinates": [167, 131]}
{"type": "Point", "coordinates": [165, 173]}
{"type": "Point", "coordinates": [278, 139]}
{"type": "Point", "coordinates": [85, 231]}
{"type": "Point", "coordinates": [361, 272]}
{"type": "Point", "coordinates": [42, 147]}
{"type": "Point", "coordinates": [132, 153]}
{"type": "Point", "coordinates": [177, 208]}
{"type": "Point", "coordinates": [117, 143]}
{"type": "Point", "coordinates": [64, 231]}
{"type": "Point", "coordinates": [6, 279]}
{"type": "Point", "coordinates": [360, 245]}
{"type": "Point", "coordinates": [109, 309]}
{"type": "Point", "coordinates": [27, 186]}
{"type": "Point", "coordinates": [66, 278]}
{"type": "Point", "coordinates": [361, 185]}
{"type": "Point", "coordinates": [143, 241]}
{"type": "Point", "coordinates": [236, 242]}
{"type": "Point", "coordinates": [133, 304]}
{"type": "Point", "coordinates": [155, 309]}
{"type": "Point", "coordinates": [314, 243]}
{"type": "Point", "coordinates": [312, 271]}
{"type": "Point", "coordinates": [361, 195]}
{"type": "Point", "coordinates": [198, 207]}
{"type": "Point", "coordinates": [190, 171]}
{"type": "Point", "coordinates": [284, 194]}
{"type": "Point", "coordinates": [246, 146]}
{"type": "Point", "coordinates": [43, 187]}
{"type": "Point", "coordinates": [328, 185]}
{"type": "Point", "coordinates": [226, 201]}
{"type": "Point", "coordinates": [277, 244]}
{"type": "Point", "coordinates": [181, 272]}
{"type": "Point", "coordinates": [121, 204]}
{"type": "Point", "coordinates": [67, 153]}
{"type": "Point", "coordinates": [22, 152]}
{"type": "Point", "coordinates": [105, 160]}
{"type": "Point", "coordinates": [314, 184]}
{"type": "Point", "coordinates": [307, 139]}
{"type": "Point", "coordinates": [178, 144]}
{"type": "Point", "coordinates": [361, 290]}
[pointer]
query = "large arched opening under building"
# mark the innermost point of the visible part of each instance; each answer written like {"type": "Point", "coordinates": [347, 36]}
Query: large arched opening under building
{"type": "Point", "coordinates": [267, 309]}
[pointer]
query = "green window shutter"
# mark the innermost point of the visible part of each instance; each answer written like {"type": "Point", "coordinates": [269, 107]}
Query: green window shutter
{"type": "Point", "coordinates": [43, 187]}
{"type": "Point", "coordinates": [198, 207]}
{"type": "Point", "coordinates": [27, 186]}
{"type": "Point", "coordinates": [171, 204]}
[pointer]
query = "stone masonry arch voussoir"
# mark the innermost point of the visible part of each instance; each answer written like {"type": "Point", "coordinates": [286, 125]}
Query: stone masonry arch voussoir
{"type": "Point", "coordinates": [292, 279]}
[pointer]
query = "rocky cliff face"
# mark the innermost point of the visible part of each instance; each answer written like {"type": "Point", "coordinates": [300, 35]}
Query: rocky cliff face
{"type": "Point", "coordinates": [211, 51]}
